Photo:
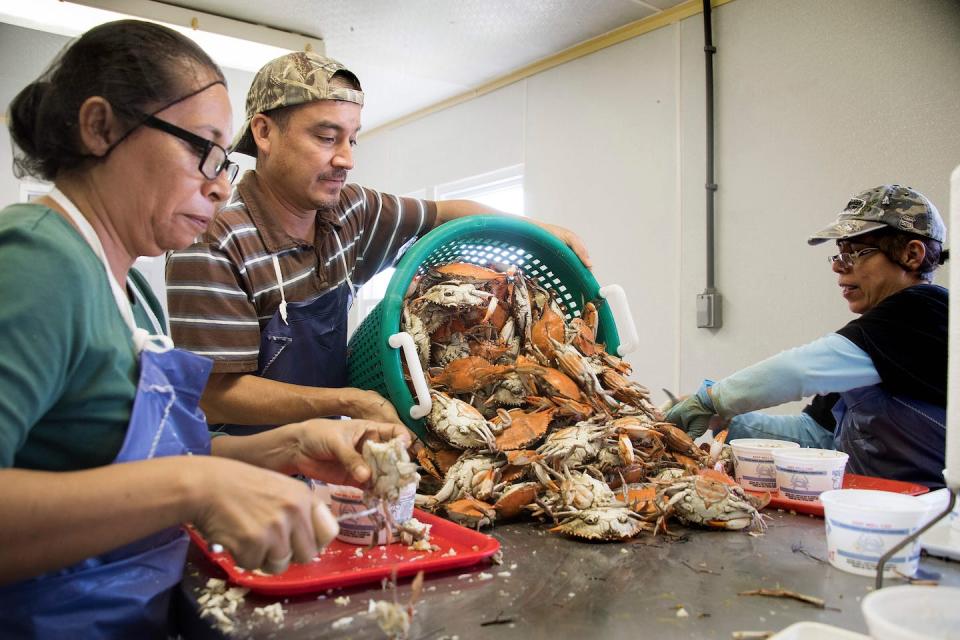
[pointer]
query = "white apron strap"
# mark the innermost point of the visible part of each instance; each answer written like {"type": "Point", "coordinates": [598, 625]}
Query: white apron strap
{"type": "Point", "coordinates": [283, 298]}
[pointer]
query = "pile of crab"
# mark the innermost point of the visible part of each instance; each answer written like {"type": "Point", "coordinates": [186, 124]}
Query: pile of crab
{"type": "Point", "coordinates": [532, 418]}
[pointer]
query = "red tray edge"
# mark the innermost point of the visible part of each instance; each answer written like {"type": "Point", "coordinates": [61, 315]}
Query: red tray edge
{"type": "Point", "coordinates": [255, 583]}
{"type": "Point", "coordinates": [850, 481]}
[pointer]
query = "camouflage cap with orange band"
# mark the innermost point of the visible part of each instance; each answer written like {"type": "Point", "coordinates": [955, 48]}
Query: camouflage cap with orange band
{"type": "Point", "coordinates": [293, 79]}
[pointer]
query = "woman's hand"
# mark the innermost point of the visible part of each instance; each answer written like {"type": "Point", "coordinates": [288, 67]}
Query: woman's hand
{"type": "Point", "coordinates": [265, 519]}
{"type": "Point", "coordinates": [330, 450]}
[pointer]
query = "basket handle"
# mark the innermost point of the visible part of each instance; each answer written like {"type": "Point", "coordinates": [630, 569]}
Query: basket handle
{"type": "Point", "coordinates": [622, 317]}
{"type": "Point", "coordinates": [424, 401]}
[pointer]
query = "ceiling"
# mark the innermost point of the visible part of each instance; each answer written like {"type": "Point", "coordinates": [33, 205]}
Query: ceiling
{"type": "Point", "coordinates": [411, 54]}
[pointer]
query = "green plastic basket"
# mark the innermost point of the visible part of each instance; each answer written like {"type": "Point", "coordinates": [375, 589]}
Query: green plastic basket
{"type": "Point", "coordinates": [483, 240]}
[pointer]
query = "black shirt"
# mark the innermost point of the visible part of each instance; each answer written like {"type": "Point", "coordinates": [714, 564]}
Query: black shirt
{"type": "Point", "coordinates": [906, 337]}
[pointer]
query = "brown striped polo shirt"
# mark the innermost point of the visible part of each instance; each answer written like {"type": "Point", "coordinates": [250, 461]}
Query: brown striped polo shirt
{"type": "Point", "coordinates": [223, 289]}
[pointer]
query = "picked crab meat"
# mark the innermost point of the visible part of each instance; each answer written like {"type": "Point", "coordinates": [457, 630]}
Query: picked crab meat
{"type": "Point", "coordinates": [390, 467]}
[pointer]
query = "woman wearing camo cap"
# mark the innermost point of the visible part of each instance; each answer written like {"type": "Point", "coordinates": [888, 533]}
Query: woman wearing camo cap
{"type": "Point", "coordinates": [879, 381]}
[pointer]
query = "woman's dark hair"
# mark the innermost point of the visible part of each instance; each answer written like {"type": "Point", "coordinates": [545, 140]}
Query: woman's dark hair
{"type": "Point", "coordinates": [132, 64]}
{"type": "Point", "coordinates": [892, 243]}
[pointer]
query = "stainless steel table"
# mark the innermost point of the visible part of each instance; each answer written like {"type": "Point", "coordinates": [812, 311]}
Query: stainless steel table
{"type": "Point", "coordinates": [563, 588]}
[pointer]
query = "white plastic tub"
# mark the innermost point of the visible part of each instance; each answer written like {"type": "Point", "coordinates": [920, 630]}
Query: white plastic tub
{"type": "Point", "coordinates": [862, 525]}
{"type": "Point", "coordinates": [803, 474]}
{"type": "Point", "coordinates": [913, 612]}
{"type": "Point", "coordinates": [366, 530]}
{"type": "Point", "coordinates": [753, 459]}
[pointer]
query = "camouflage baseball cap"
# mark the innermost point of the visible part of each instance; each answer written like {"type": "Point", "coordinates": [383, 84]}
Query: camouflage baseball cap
{"type": "Point", "coordinates": [888, 205]}
{"type": "Point", "coordinates": [289, 80]}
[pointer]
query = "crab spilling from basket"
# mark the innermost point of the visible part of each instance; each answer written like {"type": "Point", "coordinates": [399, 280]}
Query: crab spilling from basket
{"type": "Point", "coordinates": [532, 417]}
{"type": "Point", "coordinates": [519, 397]}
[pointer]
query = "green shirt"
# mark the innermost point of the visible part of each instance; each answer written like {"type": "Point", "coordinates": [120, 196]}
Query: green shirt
{"type": "Point", "coordinates": [68, 371]}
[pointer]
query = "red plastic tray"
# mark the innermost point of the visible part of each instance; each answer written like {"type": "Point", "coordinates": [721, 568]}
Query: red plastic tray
{"type": "Point", "coordinates": [850, 481]}
{"type": "Point", "coordinates": [338, 566]}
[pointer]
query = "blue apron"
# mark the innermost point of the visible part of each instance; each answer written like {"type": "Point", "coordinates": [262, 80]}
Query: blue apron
{"type": "Point", "coordinates": [304, 343]}
{"type": "Point", "coordinates": [124, 593]}
{"type": "Point", "coordinates": [891, 436]}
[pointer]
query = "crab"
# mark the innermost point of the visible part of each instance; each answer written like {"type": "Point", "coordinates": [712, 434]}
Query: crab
{"type": "Point", "coordinates": [515, 498]}
{"type": "Point", "coordinates": [677, 440]}
{"type": "Point", "coordinates": [549, 381]}
{"type": "Point", "coordinates": [459, 424]}
{"type": "Point", "coordinates": [573, 446]}
{"type": "Point", "coordinates": [601, 523]}
{"type": "Point", "coordinates": [710, 499]}
{"type": "Point", "coordinates": [412, 324]}
{"type": "Point", "coordinates": [470, 512]}
{"type": "Point", "coordinates": [548, 330]}
{"type": "Point", "coordinates": [454, 294]}
{"type": "Point", "coordinates": [390, 467]}
{"type": "Point", "coordinates": [466, 375]}
{"type": "Point", "coordinates": [474, 474]}
{"type": "Point", "coordinates": [573, 489]}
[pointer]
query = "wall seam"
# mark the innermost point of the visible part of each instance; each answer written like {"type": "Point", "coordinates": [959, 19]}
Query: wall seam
{"type": "Point", "coordinates": [678, 225]}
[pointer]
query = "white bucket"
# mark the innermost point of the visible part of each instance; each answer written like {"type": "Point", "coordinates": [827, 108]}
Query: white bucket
{"type": "Point", "coordinates": [862, 525]}
{"type": "Point", "coordinates": [366, 530]}
{"type": "Point", "coordinates": [803, 474]}
{"type": "Point", "coordinates": [753, 458]}
{"type": "Point", "coordinates": [913, 612]}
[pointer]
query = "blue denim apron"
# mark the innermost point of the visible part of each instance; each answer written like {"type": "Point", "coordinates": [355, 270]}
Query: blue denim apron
{"type": "Point", "coordinates": [891, 436]}
{"type": "Point", "coordinates": [124, 593]}
{"type": "Point", "coordinates": [305, 343]}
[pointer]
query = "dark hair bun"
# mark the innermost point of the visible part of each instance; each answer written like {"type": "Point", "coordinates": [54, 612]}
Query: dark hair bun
{"type": "Point", "coordinates": [133, 65]}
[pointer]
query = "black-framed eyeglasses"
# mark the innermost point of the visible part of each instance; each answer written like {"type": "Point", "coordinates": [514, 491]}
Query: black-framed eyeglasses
{"type": "Point", "coordinates": [213, 157]}
{"type": "Point", "coordinates": [848, 259]}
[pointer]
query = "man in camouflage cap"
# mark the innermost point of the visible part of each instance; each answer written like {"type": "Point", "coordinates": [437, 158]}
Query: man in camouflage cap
{"type": "Point", "coordinates": [879, 383]}
{"type": "Point", "coordinates": [265, 291]}
{"type": "Point", "coordinates": [295, 79]}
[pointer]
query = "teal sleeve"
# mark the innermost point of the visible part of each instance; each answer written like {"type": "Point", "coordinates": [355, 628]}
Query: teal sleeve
{"type": "Point", "coordinates": [38, 327]}
{"type": "Point", "coordinates": [796, 428]}
{"type": "Point", "coordinates": [827, 365]}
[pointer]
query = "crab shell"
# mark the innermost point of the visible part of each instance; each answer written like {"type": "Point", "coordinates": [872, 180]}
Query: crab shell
{"type": "Point", "coordinates": [524, 429]}
{"type": "Point", "coordinates": [602, 523]}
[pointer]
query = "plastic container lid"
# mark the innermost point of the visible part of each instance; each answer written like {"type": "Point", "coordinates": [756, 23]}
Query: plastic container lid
{"type": "Point", "coordinates": [762, 444]}
{"type": "Point", "coordinates": [868, 502]}
{"type": "Point", "coordinates": [913, 612]}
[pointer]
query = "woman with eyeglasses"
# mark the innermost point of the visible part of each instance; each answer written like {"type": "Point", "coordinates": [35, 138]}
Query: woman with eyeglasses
{"type": "Point", "coordinates": [880, 381]}
{"type": "Point", "coordinates": [103, 449]}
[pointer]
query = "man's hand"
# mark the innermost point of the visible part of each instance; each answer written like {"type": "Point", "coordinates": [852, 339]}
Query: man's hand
{"type": "Point", "coordinates": [570, 239]}
{"type": "Point", "coordinates": [370, 405]}
{"type": "Point", "coordinates": [694, 412]}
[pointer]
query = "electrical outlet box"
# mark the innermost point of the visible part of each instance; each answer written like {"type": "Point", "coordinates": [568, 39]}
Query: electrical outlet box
{"type": "Point", "coordinates": [709, 311]}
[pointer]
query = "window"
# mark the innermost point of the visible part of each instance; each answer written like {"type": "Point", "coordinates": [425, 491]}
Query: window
{"type": "Point", "coordinates": [502, 189]}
